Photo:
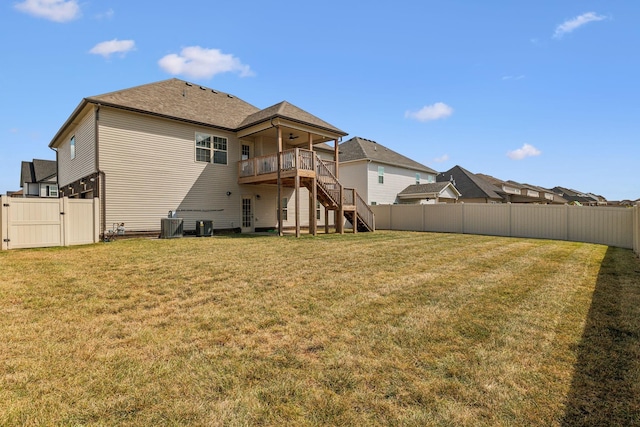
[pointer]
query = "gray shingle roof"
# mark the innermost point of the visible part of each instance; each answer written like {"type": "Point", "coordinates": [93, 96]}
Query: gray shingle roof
{"type": "Point", "coordinates": [37, 171]}
{"type": "Point", "coordinates": [433, 187]}
{"type": "Point", "coordinates": [178, 99]}
{"type": "Point", "coordinates": [470, 185]}
{"type": "Point", "coordinates": [365, 149]}
{"type": "Point", "coordinates": [288, 111]}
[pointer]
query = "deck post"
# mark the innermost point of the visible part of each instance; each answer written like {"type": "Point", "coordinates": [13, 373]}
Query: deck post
{"type": "Point", "coordinates": [297, 187]}
{"type": "Point", "coordinates": [313, 200]}
{"type": "Point", "coordinates": [279, 184]}
{"type": "Point", "coordinates": [340, 214]}
{"type": "Point", "coordinates": [326, 220]}
{"type": "Point", "coordinates": [337, 158]}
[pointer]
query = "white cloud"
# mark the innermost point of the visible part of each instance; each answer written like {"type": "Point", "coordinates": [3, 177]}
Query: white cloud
{"type": "Point", "coordinates": [439, 110]}
{"type": "Point", "coordinates": [110, 47]}
{"type": "Point", "coordinates": [527, 150]}
{"type": "Point", "coordinates": [520, 77]}
{"type": "Point", "coordinates": [441, 159]}
{"type": "Point", "coordinates": [53, 10]}
{"type": "Point", "coordinates": [198, 62]}
{"type": "Point", "coordinates": [106, 15]}
{"type": "Point", "coordinates": [577, 22]}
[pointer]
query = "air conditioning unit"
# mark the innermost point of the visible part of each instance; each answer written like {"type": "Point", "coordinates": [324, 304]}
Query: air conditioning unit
{"type": "Point", "coordinates": [204, 227]}
{"type": "Point", "coordinates": [171, 228]}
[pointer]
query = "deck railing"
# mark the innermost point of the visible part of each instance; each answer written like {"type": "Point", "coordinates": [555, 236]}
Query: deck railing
{"type": "Point", "coordinates": [296, 158]}
{"type": "Point", "coordinates": [327, 180]}
{"type": "Point", "coordinates": [365, 213]}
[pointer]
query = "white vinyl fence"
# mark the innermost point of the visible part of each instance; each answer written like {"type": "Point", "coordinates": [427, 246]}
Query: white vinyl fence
{"type": "Point", "coordinates": [36, 223]}
{"type": "Point", "coordinates": [605, 225]}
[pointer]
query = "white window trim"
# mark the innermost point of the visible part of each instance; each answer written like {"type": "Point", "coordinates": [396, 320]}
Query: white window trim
{"type": "Point", "coordinates": [211, 148]}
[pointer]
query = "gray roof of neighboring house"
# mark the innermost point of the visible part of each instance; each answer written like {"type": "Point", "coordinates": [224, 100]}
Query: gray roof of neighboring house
{"type": "Point", "coordinates": [433, 187]}
{"type": "Point", "coordinates": [37, 171]}
{"type": "Point", "coordinates": [470, 185]}
{"type": "Point", "coordinates": [365, 149]}
{"type": "Point", "coordinates": [288, 111]}
{"type": "Point", "coordinates": [573, 195]}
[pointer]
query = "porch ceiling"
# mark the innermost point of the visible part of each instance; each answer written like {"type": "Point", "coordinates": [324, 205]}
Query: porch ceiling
{"type": "Point", "coordinates": [293, 133]}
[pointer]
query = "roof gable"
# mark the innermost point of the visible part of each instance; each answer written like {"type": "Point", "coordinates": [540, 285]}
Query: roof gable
{"type": "Point", "coordinates": [287, 111]}
{"type": "Point", "coordinates": [365, 149]}
{"type": "Point", "coordinates": [429, 188]}
{"type": "Point", "coordinates": [469, 184]}
{"type": "Point", "coordinates": [37, 171]}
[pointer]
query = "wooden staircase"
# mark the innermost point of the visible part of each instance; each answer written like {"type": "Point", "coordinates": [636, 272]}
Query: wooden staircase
{"type": "Point", "coordinates": [334, 196]}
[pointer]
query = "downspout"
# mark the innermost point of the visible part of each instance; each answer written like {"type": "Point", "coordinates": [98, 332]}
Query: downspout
{"type": "Point", "coordinates": [102, 196]}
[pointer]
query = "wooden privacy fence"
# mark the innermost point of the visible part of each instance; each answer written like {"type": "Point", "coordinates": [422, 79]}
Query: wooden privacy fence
{"type": "Point", "coordinates": [36, 223]}
{"type": "Point", "coordinates": [604, 225]}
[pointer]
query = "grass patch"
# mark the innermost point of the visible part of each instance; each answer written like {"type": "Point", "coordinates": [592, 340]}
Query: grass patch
{"type": "Point", "coordinates": [385, 328]}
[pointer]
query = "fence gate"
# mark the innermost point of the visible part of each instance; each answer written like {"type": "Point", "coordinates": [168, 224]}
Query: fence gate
{"type": "Point", "coordinates": [39, 222]}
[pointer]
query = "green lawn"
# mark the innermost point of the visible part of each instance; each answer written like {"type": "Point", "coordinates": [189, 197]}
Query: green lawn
{"type": "Point", "coordinates": [385, 328]}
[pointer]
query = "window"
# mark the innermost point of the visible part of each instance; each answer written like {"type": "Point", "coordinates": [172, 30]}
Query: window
{"type": "Point", "coordinates": [380, 174]}
{"type": "Point", "coordinates": [48, 190]}
{"type": "Point", "coordinates": [374, 203]}
{"type": "Point", "coordinates": [317, 210]}
{"type": "Point", "coordinates": [285, 202]}
{"type": "Point", "coordinates": [72, 147]}
{"type": "Point", "coordinates": [417, 179]}
{"type": "Point", "coordinates": [209, 147]}
{"type": "Point", "coordinates": [245, 152]}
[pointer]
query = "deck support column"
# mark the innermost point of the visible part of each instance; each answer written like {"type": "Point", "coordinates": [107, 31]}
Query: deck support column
{"type": "Point", "coordinates": [313, 200]}
{"type": "Point", "coordinates": [279, 183]}
{"type": "Point", "coordinates": [340, 214]}
{"type": "Point", "coordinates": [326, 220]}
{"type": "Point", "coordinates": [297, 187]}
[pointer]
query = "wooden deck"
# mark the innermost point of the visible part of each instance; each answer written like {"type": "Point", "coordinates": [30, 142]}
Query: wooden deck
{"type": "Point", "coordinates": [303, 167]}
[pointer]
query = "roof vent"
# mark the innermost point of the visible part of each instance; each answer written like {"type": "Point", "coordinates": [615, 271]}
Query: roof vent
{"type": "Point", "coordinates": [230, 96]}
{"type": "Point", "coordinates": [188, 84]}
{"type": "Point", "coordinates": [203, 88]}
{"type": "Point", "coordinates": [213, 91]}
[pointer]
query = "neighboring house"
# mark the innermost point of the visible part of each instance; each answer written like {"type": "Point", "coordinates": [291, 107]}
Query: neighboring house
{"type": "Point", "coordinates": [38, 178]}
{"type": "Point", "coordinates": [515, 192]}
{"type": "Point", "coordinates": [473, 189]}
{"type": "Point", "coordinates": [378, 173]}
{"type": "Point", "coordinates": [173, 147]}
{"type": "Point", "coordinates": [435, 192]}
{"type": "Point", "coordinates": [575, 197]}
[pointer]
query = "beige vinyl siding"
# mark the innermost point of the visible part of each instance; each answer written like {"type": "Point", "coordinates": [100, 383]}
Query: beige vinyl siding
{"type": "Point", "coordinates": [396, 179]}
{"type": "Point", "coordinates": [150, 169]}
{"type": "Point", "coordinates": [85, 161]}
{"type": "Point", "coordinates": [354, 175]}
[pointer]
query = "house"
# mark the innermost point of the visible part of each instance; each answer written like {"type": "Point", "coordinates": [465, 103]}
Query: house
{"type": "Point", "coordinates": [38, 178]}
{"type": "Point", "coordinates": [575, 197]}
{"type": "Point", "coordinates": [515, 192]}
{"type": "Point", "coordinates": [174, 148]}
{"type": "Point", "coordinates": [380, 174]}
{"type": "Point", "coordinates": [472, 188]}
{"type": "Point", "coordinates": [434, 192]}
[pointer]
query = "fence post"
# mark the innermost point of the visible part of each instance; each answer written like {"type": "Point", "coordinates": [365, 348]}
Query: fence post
{"type": "Point", "coordinates": [96, 220]}
{"type": "Point", "coordinates": [65, 221]}
{"type": "Point", "coordinates": [4, 222]}
{"type": "Point", "coordinates": [462, 215]}
{"type": "Point", "coordinates": [636, 229]}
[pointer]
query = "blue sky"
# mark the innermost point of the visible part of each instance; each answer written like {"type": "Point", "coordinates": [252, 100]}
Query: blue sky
{"type": "Point", "coordinates": [544, 92]}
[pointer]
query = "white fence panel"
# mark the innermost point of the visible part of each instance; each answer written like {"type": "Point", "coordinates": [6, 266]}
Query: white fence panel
{"type": "Point", "coordinates": [608, 226]}
{"type": "Point", "coordinates": [539, 221]}
{"type": "Point", "coordinates": [443, 218]}
{"type": "Point", "coordinates": [604, 225]}
{"type": "Point", "coordinates": [490, 219]}
{"type": "Point", "coordinates": [39, 222]}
